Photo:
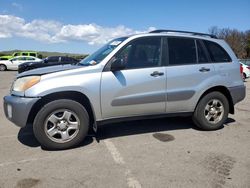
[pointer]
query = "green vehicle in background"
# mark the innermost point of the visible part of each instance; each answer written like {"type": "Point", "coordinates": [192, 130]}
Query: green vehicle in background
{"type": "Point", "coordinates": [21, 53]}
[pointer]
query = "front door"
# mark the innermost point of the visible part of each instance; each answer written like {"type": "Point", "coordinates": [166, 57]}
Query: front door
{"type": "Point", "coordinates": [17, 61]}
{"type": "Point", "coordinates": [139, 88]}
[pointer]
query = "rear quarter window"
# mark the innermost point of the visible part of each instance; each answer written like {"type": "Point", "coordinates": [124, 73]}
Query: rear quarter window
{"type": "Point", "coordinates": [216, 52]}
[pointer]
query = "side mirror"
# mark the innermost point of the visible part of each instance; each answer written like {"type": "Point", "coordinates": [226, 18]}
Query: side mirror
{"type": "Point", "coordinates": [117, 64]}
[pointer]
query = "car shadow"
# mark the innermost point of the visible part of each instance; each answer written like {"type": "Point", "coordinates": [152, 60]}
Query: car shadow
{"type": "Point", "coordinates": [26, 136]}
{"type": "Point", "coordinates": [148, 126]}
{"type": "Point", "coordinates": [143, 126]}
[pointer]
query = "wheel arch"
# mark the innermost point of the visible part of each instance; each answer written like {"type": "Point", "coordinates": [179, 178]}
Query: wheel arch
{"type": "Point", "coordinates": [224, 91]}
{"type": "Point", "coordinates": [73, 95]}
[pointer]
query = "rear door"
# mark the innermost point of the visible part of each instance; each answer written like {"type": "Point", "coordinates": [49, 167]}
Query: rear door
{"type": "Point", "coordinates": [140, 88]}
{"type": "Point", "coordinates": [222, 63]}
{"type": "Point", "coordinates": [188, 70]}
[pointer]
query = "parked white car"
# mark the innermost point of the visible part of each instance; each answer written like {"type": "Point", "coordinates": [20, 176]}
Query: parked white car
{"type": "Point", "coordinates": [12, 64]}
{"type": "Point", "coordinates": [246, 70]}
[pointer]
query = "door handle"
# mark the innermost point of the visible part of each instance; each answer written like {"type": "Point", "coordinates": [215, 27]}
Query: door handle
{"type": "Point", "coordinates": [204, 69]}
{"type": "Point", "coordinates": [156, 73]}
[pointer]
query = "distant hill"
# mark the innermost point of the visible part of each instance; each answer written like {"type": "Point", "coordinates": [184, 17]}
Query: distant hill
{"type": "Point", "coordinates": [46, 54]}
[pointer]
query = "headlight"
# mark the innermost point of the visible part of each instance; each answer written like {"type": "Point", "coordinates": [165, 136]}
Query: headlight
{"type": "Point", "coordinates": [25, 83]}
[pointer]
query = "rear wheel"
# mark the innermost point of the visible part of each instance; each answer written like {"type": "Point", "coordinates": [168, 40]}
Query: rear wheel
{"type": "Point", "coordinates": [211, 111]}
{"type": "Point", "coordinates": [3, 67]}
{"type": "Point", "coordinates": [244, 76]}
{"type": "Point", "coordinates": [61, 124]}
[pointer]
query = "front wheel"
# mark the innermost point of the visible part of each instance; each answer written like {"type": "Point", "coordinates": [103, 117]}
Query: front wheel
{"type": "Point", "coordinates": [211, 111]}
{"type": "Point", "coordinates": [3, 67]}
{"type": "Point", "coordinates": [61, 124]}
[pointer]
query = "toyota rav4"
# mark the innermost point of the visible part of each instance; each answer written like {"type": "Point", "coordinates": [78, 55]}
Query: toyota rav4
{"type": "Point", "coordinates": [148, 75]}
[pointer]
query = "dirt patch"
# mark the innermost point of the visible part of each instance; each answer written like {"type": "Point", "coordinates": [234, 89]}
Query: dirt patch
{"type": "Point", "coordinates": [163, 137]}
{"type": "Point", "coordinates": [27, 183]}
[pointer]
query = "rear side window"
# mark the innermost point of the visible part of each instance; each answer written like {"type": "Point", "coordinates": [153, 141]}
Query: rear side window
{"type": "Point", "coordinates": [33, 54]}
{"type": "Point", "coordinates": [216, 52]}
{"type": "Point", "coordinates": [181, 51]}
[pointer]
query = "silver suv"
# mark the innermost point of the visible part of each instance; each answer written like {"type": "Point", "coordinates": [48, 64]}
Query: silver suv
{"type": "Point", "coordinates": [156, 74]}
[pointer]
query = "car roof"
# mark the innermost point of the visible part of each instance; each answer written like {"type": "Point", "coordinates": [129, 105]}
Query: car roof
{"type": "Point", "coordinates": [176, 33]}
{"type": "Point", "coordinates": [22, 56]}
{"type": "Point", "coordinates": [26, 52]}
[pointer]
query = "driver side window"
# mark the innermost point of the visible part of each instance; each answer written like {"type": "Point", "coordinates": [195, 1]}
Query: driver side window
{"type": "Point", "coordinates": [141, 53]}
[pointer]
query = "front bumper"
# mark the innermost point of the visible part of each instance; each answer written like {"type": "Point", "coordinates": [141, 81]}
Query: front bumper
{"type": "Point", "coordinates": [17, 109]}
{"type": "Point", "coordinates": [238, 93]}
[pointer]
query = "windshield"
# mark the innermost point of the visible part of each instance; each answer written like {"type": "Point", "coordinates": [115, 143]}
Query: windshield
{"type": "Point", "coordinates": [100, 54]}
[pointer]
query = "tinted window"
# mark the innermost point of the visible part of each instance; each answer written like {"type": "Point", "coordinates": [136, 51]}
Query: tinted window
{"type": "Point", "coordinates": [25, 54]}
{"type": "Point", "coordinates": [141, 53]}
{"type": "Point", "coordinates": [30, 58]}
{"type": "Point", "coordinates": [18, 59]}
{"type": "Point", "coordinates": [216, 52]}
{"type": "Point", "coordinates": [14, 59]}
{"type": "Point", "coordinates": [202, 58]}
{"type": "Point", "coordinates": [33, 54]}
{"type": "Point", "coordinates": [3, 58]}
{"type": "Point", "coordinates": [66, 60]}
{"type": "Point", "coordinates": [53, 59]}
{"type": "Point", "coordinates": [181, 51]}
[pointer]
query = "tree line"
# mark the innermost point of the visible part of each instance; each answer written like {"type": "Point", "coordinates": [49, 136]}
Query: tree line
{"type": "Point", "coordinates": [239, 41]}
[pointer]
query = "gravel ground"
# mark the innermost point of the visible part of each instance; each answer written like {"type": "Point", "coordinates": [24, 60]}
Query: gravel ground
{"type": "Point", "coordinates": [168, 152]}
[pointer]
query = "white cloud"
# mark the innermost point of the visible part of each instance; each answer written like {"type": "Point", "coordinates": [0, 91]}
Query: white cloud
{"type": "Point", "coordinates": [50, 31]}
{"type": "Point", "coordinates": [18, 6]}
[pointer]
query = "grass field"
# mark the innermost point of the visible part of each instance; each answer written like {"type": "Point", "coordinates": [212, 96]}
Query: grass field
{"type": "Point", "coordinates": [46, 54]}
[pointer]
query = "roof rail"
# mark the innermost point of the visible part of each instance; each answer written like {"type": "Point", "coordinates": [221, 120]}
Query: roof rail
{"type": "Point", "coordinates": [188, 32]}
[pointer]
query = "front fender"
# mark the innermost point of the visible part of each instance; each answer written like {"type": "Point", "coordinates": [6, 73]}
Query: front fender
{"type": "Point", "coordinates": [88, 85]}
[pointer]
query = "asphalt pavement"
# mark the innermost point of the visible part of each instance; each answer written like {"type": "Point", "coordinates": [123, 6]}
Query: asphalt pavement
{"type": "Point", "coordinates": [167, 152]}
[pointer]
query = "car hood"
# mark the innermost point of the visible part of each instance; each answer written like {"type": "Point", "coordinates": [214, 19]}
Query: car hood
{"type": "Point", "coordinates": [47, 70]}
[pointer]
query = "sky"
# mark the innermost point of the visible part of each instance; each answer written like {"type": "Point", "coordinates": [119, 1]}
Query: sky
{"type": "Point", "coordinates": [78, 26]}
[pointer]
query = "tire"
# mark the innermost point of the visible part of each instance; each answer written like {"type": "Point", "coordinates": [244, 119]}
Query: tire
{"type": "Point", "coordinates": [211, 111]}
{"type": "Point", "coordinates": [244, 76]}
{"type": "Point", "coordinates": [3, 67]}
{"type": "Point", "coordinates": [61, 124]}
